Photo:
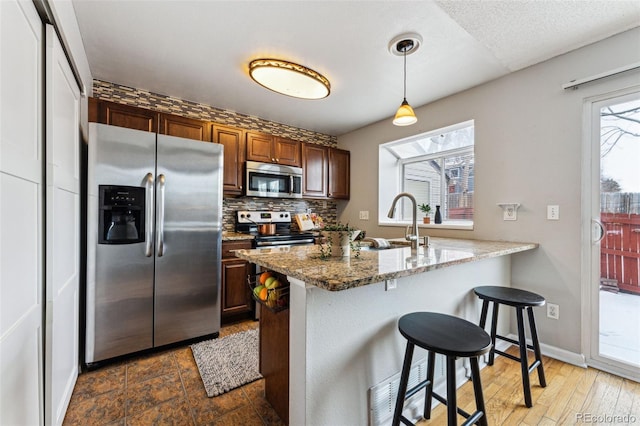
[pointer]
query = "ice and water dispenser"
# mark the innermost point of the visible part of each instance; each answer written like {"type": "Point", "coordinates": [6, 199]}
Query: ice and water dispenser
{"type": "Point", "coordinates": [121, 214]}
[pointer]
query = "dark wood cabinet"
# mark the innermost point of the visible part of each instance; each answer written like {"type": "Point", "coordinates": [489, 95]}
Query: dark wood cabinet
{"type": "Point", "coordinates": [339, 173]}
{"type": "Point", "coordinates": [273, 149]}
{"type": "Point", "coordinates": [182, 127]}
{"type": "Point", "coordinates": [234, 157]}
{"type": "Point", "coordinates": [114, 114]}
{"type": "Point", "coordinates": [235, 298]}
{"type": "Point", "coordinates": [287, 151]}
{"type": "Point", "coordinates": [274, 359]}
{"type": "Point", "coordinates": [315, 161]}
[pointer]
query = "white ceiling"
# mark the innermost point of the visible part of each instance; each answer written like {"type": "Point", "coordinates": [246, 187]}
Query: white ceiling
{"type": "Point", "coordinates": [200, 50]}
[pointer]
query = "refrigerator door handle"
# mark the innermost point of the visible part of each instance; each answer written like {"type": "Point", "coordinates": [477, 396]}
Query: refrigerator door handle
{"type": "Point", "coordinates": [148, 213]}
{"type": "Point", "coordinates": [160, 218]}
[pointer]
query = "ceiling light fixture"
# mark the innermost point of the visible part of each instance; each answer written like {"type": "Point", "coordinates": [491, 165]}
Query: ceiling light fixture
{"type": "Point", "coordinates": [289, 78]}
{"type": "Point", "coordinates": [405, 45]}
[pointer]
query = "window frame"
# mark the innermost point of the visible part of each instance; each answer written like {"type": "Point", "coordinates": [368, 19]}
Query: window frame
{"type": "Point", "coordinates": [401, 163]}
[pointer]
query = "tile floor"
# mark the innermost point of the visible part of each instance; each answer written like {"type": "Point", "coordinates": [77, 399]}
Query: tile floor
{"type": "Point", "coordinates": [165, 388]}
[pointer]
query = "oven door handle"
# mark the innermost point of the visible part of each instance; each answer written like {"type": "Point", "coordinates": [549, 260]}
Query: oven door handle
{"type": "Point", "coordinates": [148, 214]}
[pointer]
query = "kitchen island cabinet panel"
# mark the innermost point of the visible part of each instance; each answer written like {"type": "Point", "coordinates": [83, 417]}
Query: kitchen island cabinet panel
{"type": "Point", "coordinates": [274, 359]}
{"type": "Point", "coordinates": [234, 157]}
{"type": "Point", "coordinates": [315, 159]}
{"type": "Point", "coordinates": [182, 127]}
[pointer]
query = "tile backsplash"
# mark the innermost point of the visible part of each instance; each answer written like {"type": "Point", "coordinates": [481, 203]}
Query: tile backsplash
{"type": "Point", "coordinates": [326, 209]}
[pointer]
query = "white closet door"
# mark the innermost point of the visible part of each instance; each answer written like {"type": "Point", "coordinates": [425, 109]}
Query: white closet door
{"type": "Point", "coordinates": [21, 213]}
{"type": "Point", "coordinates": [62, 230]}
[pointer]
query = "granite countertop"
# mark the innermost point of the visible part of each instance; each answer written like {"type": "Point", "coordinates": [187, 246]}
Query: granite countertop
{"type": "Point", "coordinates": [372, 266]}
{"type": "Point", "coordinates": [235, 236]}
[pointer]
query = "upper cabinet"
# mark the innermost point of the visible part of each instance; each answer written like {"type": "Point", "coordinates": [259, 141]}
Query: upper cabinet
{"type": "Point", "coordinates": [182, 127]}
{"type": "Point", "coordinates": [326, 171]}
{"type": "Point", "coordinates": [339, 173]}
{"type": "Point", "coordinates": [273, 149]}
{"type": "Point", "coordinates": [123, 115]}
{"type": "Point", "coordinates": [234, 157]}
{"type": "Point", "coordinates": [315, 160]}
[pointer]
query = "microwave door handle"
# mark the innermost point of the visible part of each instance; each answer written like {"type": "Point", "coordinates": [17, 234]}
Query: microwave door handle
{"type": "Point", "coordinates": [148, 214]}
{"type": "Point", "coordinates": [160, 218]}
{"type": "Point", "coordinates": [290, 184]}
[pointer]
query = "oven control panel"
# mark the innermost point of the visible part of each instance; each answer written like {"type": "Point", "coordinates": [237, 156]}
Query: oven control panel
{"type": "Point", "coordinates": [263, 216]}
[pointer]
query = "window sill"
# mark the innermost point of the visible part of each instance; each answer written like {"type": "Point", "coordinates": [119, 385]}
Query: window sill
{"type": "Point", "coordinates": [467, 226]}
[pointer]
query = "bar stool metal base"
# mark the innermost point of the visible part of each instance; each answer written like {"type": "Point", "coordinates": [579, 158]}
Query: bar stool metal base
{"type": "Point", "coordinates": [460, 339]}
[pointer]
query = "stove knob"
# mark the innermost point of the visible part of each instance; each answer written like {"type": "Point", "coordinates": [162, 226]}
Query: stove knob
{"type": "Point", "coordinates": [248, 215]}
{"type": "Point", "coordinates": [241, 215]}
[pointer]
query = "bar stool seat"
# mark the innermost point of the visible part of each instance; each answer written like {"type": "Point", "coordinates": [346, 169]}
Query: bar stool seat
{"type": "Point", "coordinates": [454, 338]}
{"type": "Point", "coordinates": [520, 300]}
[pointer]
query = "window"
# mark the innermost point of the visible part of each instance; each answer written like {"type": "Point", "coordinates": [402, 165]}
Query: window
{"type": "Point", "coordinates": [437, 168]}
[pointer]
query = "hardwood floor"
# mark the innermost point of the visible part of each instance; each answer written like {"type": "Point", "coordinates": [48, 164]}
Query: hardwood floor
{"type": "Point", "coordinates": [573, 395]}
{"type": "Point", "coordinates": [166, 388]}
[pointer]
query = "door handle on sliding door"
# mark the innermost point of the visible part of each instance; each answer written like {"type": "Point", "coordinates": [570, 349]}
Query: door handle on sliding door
{"type": "Point", "coordinates": [148, 214]}
{"type": "Point", "coordinates": [160, 216]}
{"type": "Point", "coordinates": [601, 226]}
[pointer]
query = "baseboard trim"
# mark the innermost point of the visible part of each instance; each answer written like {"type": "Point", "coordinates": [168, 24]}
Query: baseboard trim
{"type": "Point", "coordinates": [560, 354]}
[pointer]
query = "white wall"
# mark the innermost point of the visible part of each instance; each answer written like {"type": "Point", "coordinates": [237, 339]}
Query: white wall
{"type": "Point", "coordinates": [528, 145]}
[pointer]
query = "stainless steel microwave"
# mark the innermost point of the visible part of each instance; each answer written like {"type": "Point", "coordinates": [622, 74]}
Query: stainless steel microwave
{"type": "Point", "coordinates": [273, 180]}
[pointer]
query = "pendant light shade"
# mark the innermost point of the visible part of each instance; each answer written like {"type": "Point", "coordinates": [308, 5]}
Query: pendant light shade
{"type": "Point", "coordinates": [405, 115]}
{"type": "Point", "coordinates": [289, 78]}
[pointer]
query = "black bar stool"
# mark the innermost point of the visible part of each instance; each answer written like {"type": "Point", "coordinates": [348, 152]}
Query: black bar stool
{"type": "Point", "coordinates": [454, 338]}
{"type": "Point", "coordinates": [519, 299]}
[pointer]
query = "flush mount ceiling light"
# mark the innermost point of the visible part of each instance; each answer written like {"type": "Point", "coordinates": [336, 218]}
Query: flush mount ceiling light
{"type": "Point", "coordinates": [289, 78]}
{"type": "Point", "coordinates": [404, 45]}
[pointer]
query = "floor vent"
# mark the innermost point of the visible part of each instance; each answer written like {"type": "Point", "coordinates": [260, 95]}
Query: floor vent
{"type": "Point", "coordinates": [382, 397]}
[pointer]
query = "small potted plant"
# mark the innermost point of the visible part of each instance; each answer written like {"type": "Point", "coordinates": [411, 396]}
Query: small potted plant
{"type": "Point", "coordinates": [426, 209]}
{"type": "Point", "coordinates": [339, 241]}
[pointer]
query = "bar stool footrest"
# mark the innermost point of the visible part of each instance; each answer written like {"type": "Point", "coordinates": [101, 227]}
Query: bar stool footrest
{"type": "Point", "coordinates": [513, 342]}
{"type": "Point", "coordinates": [417, 388]}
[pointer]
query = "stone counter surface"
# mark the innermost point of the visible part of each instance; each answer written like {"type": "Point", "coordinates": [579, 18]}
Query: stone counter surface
{"type": "Point", "coordinates": [235, 236]}
{"type": "Point", "coordinates": [373, 266]}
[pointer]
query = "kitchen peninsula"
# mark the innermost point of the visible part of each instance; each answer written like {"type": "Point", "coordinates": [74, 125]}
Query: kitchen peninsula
{"type": "Point", "coordinates": [343, 336]}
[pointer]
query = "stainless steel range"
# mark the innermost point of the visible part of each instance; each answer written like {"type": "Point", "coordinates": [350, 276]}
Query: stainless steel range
{"type": "Point", "coordinates": [248, 222]}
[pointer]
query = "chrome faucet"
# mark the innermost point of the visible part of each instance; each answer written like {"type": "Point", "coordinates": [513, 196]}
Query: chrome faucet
{"type": "Point", "coordinates": [409, 237]}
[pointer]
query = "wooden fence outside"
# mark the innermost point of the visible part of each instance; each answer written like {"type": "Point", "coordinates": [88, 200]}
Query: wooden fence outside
{"type": "Point", "coordinates": [620, 251]}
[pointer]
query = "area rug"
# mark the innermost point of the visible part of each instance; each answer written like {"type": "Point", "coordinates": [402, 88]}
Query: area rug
{"type": "Point", "coordinates": [228, 362]}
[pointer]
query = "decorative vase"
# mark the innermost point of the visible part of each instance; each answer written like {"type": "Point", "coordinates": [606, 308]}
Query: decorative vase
{"type": "Point", "coordinates": [438, 217]}
{"type": "Point", "coordinates": [339, 242]}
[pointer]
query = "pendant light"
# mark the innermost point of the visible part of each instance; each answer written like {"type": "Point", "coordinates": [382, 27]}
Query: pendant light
{"type": "Point", "coordinates": [405, 115]}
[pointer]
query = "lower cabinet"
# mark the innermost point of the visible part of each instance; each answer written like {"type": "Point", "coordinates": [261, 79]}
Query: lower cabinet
{"type": "Point", "coordinates": [235, 299]}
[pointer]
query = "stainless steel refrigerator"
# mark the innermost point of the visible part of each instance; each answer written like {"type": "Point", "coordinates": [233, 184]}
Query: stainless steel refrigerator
{"type": "Point", "coordinates": [154, 228]}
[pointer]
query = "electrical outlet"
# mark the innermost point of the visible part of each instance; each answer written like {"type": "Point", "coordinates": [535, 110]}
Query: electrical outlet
{"type": "Point", "coordinates": [509, 213]}
{"type": "Point", "coordinates": [390, 284]}
{"type": "Point", "coordinates": [553, 212]}
{"type": "Point", "coordinates": [553, 311]}
{"type": "Point", "coordinates": [364, 214]}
